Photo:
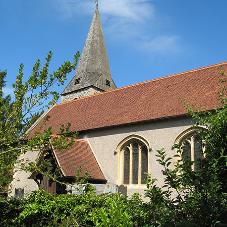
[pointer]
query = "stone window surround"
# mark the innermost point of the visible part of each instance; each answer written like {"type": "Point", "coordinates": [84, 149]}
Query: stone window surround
{"type": "Point", "coordinates": [120, 162]}
{"type": "Point", "coordinates": [189, 134]}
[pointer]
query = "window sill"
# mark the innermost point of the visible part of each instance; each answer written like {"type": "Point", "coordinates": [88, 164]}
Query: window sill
{"type": "Point", "coordinates": [136, 186]}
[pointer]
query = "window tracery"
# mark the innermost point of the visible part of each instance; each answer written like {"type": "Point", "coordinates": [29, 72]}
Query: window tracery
{"type": "Point", "coordinates": [133, 161]}
{"type": "Point", "coordinates": [191, 145]}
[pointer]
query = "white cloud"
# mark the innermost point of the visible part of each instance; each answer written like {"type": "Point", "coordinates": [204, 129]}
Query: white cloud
{"type": "Point", "coordinates": [132, 22]}
{"type": "Point", "coordinates": [124, 18]}
{"type": "Point", "coordinates": [128, 9]}
{"type": "Point", "coordinates": [73, 8]}
{"type": "Point", "coordinates": [137, 10]}
{"type": "Point", "coordinates": [162, 44]}
{"type": "Point", "coordinates": [7, 91]}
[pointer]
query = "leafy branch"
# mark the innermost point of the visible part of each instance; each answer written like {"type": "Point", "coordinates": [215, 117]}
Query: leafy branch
{"type": "Point", "coordinates": [31, 98]}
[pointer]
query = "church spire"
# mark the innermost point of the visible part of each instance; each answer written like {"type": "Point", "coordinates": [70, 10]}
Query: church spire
{"type": "Point", "coordinates": [93, 72]}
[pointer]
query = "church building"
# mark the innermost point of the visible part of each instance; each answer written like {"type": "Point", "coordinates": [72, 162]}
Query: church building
{"type": "Point", "coordinates": [120, 129]}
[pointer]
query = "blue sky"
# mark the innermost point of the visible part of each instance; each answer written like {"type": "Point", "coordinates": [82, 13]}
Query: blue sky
{"type": "Point", "coordinates": [144, 39]}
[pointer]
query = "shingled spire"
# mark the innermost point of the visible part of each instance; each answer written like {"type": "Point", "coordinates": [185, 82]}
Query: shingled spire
{"type": "Point", "coordinates": [93, 72]}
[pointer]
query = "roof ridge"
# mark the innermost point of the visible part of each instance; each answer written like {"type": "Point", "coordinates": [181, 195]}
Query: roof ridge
{"type": "Point", "coordinates": [76, 140]}
{"type": "Point", "coordinates": [82, 141]}
{"type": "Point", "coordinates": [148, 81]}
{"type": "Point", "coordinates": [199, 69]}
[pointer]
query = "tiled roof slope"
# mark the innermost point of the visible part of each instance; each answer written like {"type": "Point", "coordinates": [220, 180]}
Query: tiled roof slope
{"type": "Point", "coordinates": [154, 99]}
{"type": "Point", "coordinates": [80, 154]}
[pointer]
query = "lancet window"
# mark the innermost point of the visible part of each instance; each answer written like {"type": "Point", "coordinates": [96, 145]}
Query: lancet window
{"type": "Point", "coordinates": [191, 145]}
{"type": "Point", "coordinates": [133, 162]}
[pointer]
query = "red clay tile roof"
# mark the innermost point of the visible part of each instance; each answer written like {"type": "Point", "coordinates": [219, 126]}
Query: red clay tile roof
{"type": "Point", "coordinates": [149, 100]}
{"type": "Point", "coordinates": [80, 154]}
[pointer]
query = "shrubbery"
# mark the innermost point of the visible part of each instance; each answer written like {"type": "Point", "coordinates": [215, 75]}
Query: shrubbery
{"type": "Point", "coordinates": [187, 198]}
{"type": "Point", "coordinates": [43, 209]}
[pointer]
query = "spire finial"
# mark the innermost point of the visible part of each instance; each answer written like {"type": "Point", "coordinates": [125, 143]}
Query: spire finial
{"type": "Point", "coordinates": [97, 3]}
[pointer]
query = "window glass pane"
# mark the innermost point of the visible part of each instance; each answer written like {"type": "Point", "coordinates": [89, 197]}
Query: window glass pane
{"type": "Point", "coordinates": [193, 140]}
{"type": "Point", "coordinates": [131, 161]}
{"type": "Point", "coordinates": [187, 149]}
{"type": "Point", "coordinates": [197, 151]}
{"type": "Point", "coordinates": [144, 163]}
{"type": "Point", "coordinates": [135, 163]}
{"type": "Point", "coordinates": [126, 165]}
{"type": "Point", "coordinates": [197, 145]}
{"type": "Point", "coordinates": [19, 193]}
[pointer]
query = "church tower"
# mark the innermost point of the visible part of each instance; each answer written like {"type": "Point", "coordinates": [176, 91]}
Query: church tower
{"type": "Point", "coordinates": [93, 72]}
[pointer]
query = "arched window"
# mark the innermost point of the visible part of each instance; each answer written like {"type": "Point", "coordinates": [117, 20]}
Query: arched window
{"type": "Point", "coordinates": [133, 161]}
{"type": "Point", "coordinates": [191, 143]}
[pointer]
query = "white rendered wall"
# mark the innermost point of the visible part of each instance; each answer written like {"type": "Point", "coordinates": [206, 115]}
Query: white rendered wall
{"type": "Point", "coordinates": [21, 177]}
{"type": "Point", "coordinates": [159, 134]}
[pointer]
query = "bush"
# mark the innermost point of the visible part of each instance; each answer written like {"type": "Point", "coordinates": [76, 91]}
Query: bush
{"type": "Point", "coordinates": [187, 198]}
{"type": "Point", "coordinates": [44, 209]}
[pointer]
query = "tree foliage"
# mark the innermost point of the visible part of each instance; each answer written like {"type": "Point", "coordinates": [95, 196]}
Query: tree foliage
{"type": "Point", "coordinates": [215, 134]}
{"type": "Point", "coordinates": [195, 198]}
{"type": "Point", "coordinates": [31, 97]}
{"type": "Point", "coordinates": [43, 209]}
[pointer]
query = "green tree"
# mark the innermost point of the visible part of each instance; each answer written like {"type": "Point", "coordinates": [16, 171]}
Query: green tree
{"type": "Point", "coordinates": [195, 198]}
{"type": "Point", "coordinates": [215, 135]}
{"type": "Point", "coordinates": [31, 98]}
{"type": "Point", "coordinates": [5, 107]}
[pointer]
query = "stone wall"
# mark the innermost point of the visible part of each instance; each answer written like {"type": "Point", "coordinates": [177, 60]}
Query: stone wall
{"type": "Point", "coordinates": [79, 94]}
{"type": "Point", "coordinates": [100, 189]}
